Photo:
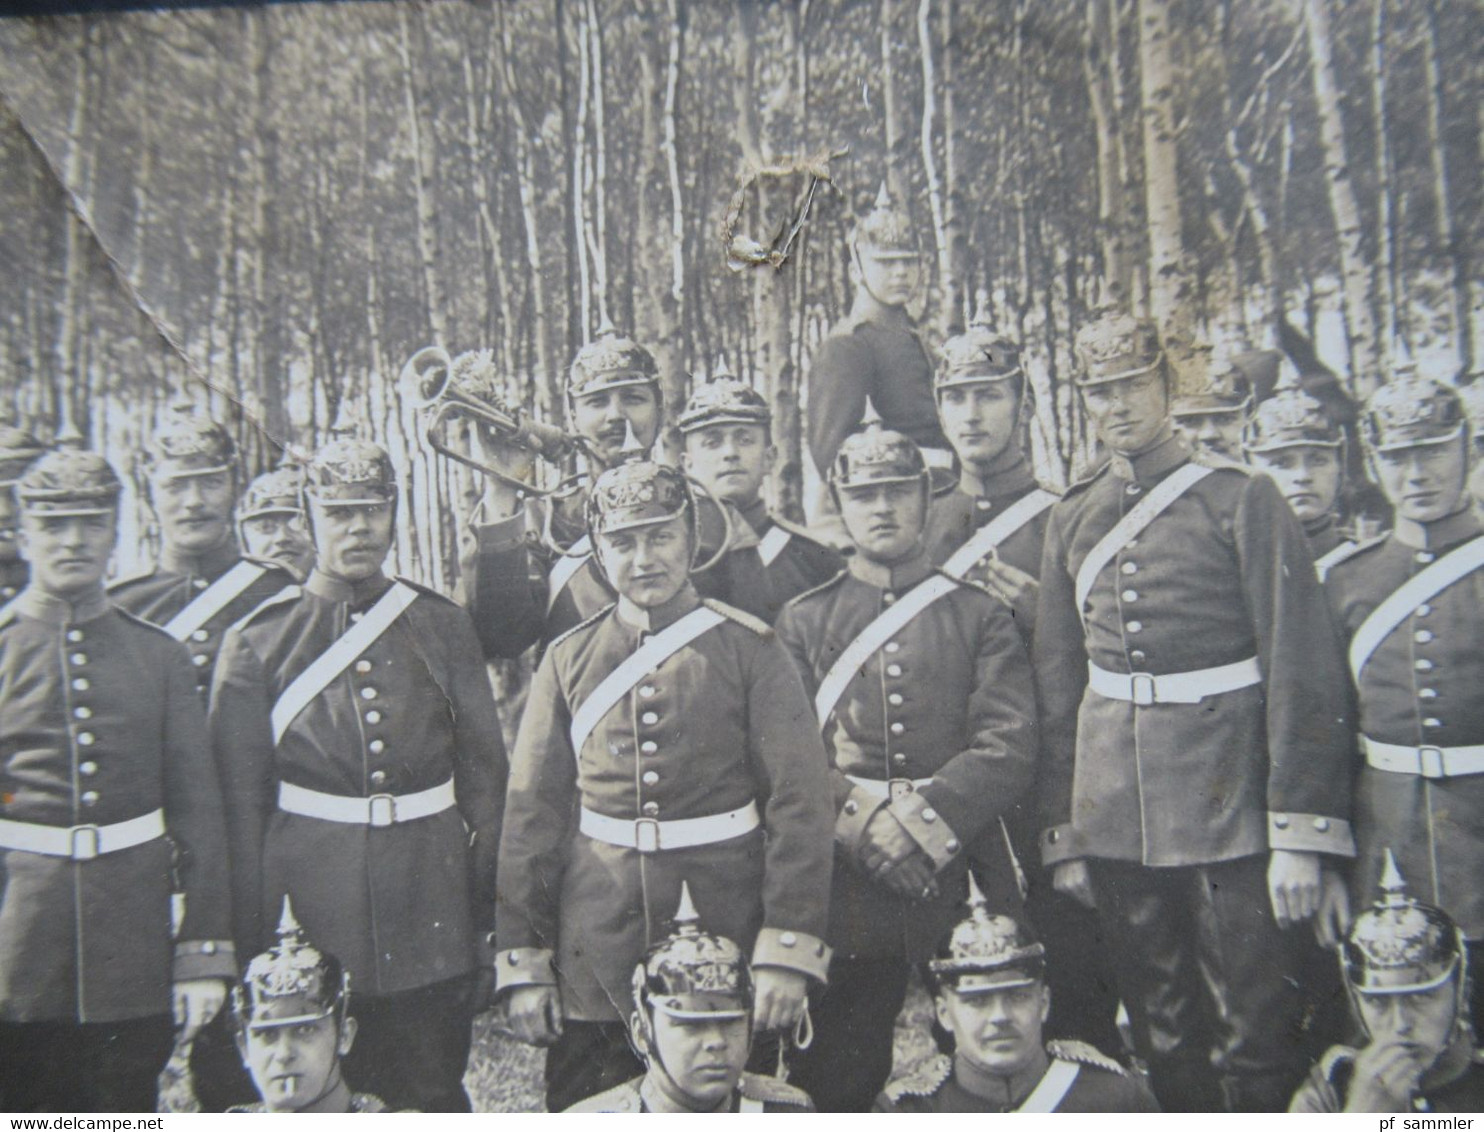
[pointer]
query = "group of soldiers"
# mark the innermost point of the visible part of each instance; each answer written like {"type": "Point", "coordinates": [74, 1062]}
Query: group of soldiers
{"type": "Point", "coordinates": [1132, 751]}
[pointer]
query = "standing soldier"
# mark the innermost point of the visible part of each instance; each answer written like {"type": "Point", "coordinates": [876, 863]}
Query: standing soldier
{"type": "Point", "coordinates": [1411, 606]}
{"type": "Point", "coordinates": [674, 734]}
{"type": "Point", "coordinates": [270, 521]}
{"type": "Point", "coordinates": [17, 449]}
{"type": "Point", "coordinates": [364, 775]}
{"type": "Point", "coordinates": [1211, 418]}
{"type": "Point", "coordinates": [107, 792]}
{"type": "Point", "coordinates": [922, 690]}
{"type": "Point", "coordinates": [1196, 751]}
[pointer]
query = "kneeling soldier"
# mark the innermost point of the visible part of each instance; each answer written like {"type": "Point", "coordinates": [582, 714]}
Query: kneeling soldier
{"type": "Point", "coordinates": [692, 1026]}
{"type": "Point", "coordinates": [678, 734]}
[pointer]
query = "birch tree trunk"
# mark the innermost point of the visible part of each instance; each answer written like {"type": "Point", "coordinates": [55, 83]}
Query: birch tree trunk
{"type": "Point", "coordinates": [1385, 268]}
{"type": "Point", "coordinates": [949, 299]}
{"type": "Point", "coordinates": [1449, 245]}
{"type": "Point", "coordinates": [424, 164]}
{"type": "Point", "coordinates": [891, 122]}
{"type": "Point", "coordinates": [1167, 289]}
{"type": "Point", "coordinates": [1096, 60]}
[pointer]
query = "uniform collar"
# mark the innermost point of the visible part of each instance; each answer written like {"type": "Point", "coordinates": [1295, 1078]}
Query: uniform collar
{"type": "Point", "coordinates": [1010, 476]}
{"type": "Point", "coordinates": [39, 605]}
{"type": "Point", "coordinates": [756, 514]}
{"type": "Point", "coordinates": [1151, 465]}
{"type": "Point", "coordinates": [1007, 1093]}
{"type": "Point", "coordinates": [868, 308]}
{"type": "Point", "coordinates": [1313, 528]}
{"type": "Point", "coordinates": [355, 594]}
{"type": "Point", "coordinates": [661, 616]}
{"type": "Point", "coordinates": [1446, 532]}
{"type": "Point", "coordinates": [651, 1099]}
{"type": "Point", "coordinates": [208, 564]}
{"type": "Point", "coordinates": [896, 576]}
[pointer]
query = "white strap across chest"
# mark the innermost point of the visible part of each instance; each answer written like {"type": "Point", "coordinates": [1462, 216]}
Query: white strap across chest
{"type": "Point", "coordinates": [872, 637]}
{"type": "Point", "coordinates": [1333, 557]}
{"type": "Point", "coordinates": [771, 545]}
{"type": "Point", "coordinates": [1053, 1087]}
{"type": "Point", "coordinates": [213, 599]}
{"type": "Point", "coordinates": [1405, 599]}
{"type": "Point", "coordinates": [644, 660]}
{"type": "Point", "coordinates": [997, 530]}
{"type": "Point", "coordinates": [1169, 489]}
{"type": "Point", "coordinates": [335, 659]}
{"type": "Point", "coordinates": [578, 555]}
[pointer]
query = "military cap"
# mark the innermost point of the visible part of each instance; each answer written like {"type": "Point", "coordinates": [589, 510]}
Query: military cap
{"type": "Point", "coordinates": [877, 455]}
{"type": "Point", "coordinates": [988, 952]}
{"type": "Point", "coordinates": [610, 360]}
{"type": "Point", "coordinates": [975, 356]}
{"type": "Point", "coordinates": [191, 445]}
{"type": "Point", "coordinates": [886, 230]}
{"type": "Point", "coordinates": [290, 983]}
{"type": "Point", "coordinates": [690, 973]}
{"type": "Point", "coordinates": [1411, 410]}
{"type": "Point", "coordinates": [68, 481]}
{"type": "Point", "coordinates": [17, 449]}
{"type": "Point", "coordinates": [1219, 388]}
{"type": "Point", "coordinates": [1290, 418]}
{"type": "Point", "coordinates": [637, 494]}
{"type": "Point", "coordinates": [273, 493]}
{"type": "Point", "coordinates": [724, 400]}
{"type": "Point", "coordinates": [350, 472]}
{"type": "Point", "coordinates": [1400, 945]}
{"type": "Point", "coordinates": [1115, 346]}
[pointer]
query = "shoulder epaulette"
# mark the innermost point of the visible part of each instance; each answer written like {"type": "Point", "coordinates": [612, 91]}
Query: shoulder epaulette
{"type": "Point", "coordinates": [1086, 481]}
{"type": "Point", "coordinates": [1084, 1054]}
{"type": "Point", "coordinates": [798, 530]}
{"type": "Point", "coordinates": [289, 593]}
{"type": "Point", "coordinates": [129, 579]}
{"type": "Point", "coordinates": [426, 591]}
{"type": "Point", "coordinates": [741, 617]}
{"type": "Point", "coordinates": [1360, 548]}
{"type": "Point", "coordinates": [598, 616]}
{"type": "Point", "coordinates": [137, 620]}
{"type": "Point", "coordinates": [824, 585]}
{"type": "Point", "coordinates": [926, 1080]}
{"type": "Point", "coordinates": [620, 1098]}
{"type": "Point", "coordinates": [770, 1090]}
{"type": "Point", "coordinates": [1220, 463]}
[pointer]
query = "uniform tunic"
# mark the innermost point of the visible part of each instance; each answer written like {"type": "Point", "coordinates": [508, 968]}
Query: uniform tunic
{"type": "Point", "coordinates": [721, 723]}
{"type": "Point", "coordinates": [744, 580]}
{"type": "Point", "coordinates": [13, 578]}
{"type": "Point", "coordinates": [1101, 1085]}
{"type": "Point", "coordinates": [1421, 687]}
{"type": "Point", "coordinates": [1329, 1082]}
{"type": "Point", "coordinates": [947, 698]}
{"type": "Point", "coordinates": [100, 723]}
{"type": "Point", "coordinates": [754, 1093]}
{"type": "Point", "coordinates": [971, 505]}
{"type": "Point", "coordinates": [399, 905]}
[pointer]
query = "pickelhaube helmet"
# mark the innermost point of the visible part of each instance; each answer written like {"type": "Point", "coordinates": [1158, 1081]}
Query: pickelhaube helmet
{"type": "Point", "coordinates": [988, 952]}
{"type": "Point", "coordinates": [349, 472]}
{"type": "Point", "coordinates": [877, 455]}
{"type": "Point", "coordinates": [886, 230]}
{"type": "Point", "coordinates": [1114, 346]}
{"type": "Point", "coordinates": [977, 355]}
{"type": "Point", "coordinates": [191, 444]}
{"type": "Point", "coordinates": [1400, 945]}
{"type": "Point", "coordinates": [724, 400]}
{"type": "Point", "coordinates": [278, 492]}
{"type": "Point", "coordinates": [610, 360]}
{"type": "Point", "coordinates": [18, 448]}
{"type": "Point", "coordinates": [290, 983]}
{"type": "Point", "coordinates": [69, 481]}
{"type": "Point", "coordinates": [1411, 410]}
{"type": "Point", "coordinates": [637, 494]}
{"type": "Point", "coordinates": [692, 973]}
{"type": "Point", "coordinates": [1216, 386]}
{"type": "Point", "coordinates": [1290, 418]}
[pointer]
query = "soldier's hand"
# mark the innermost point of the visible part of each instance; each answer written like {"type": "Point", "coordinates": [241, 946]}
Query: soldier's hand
{"type": "Point", "coordinates": [1074, 879]}
{"type": "Point", "coordinates": [913, 877]}
{"type": "Point", "coordinates": [1333, 918]}
{"type": "Point", "coordinates": [195, 1002]}
{"type": "Point", "coordinates": [534, 1015]}
{"type": "Point", "coordinates": [1293, 885]}
{"type": "Point", "coordinates": [1386, 1073]}
{"type": "Point", "coordinates": [778, 998]}
{"type": "Point", "coordinates": [501, 499]}
{"type": "Point", "coordinates": [1015, 588]}
{"type": "Point", "coordinates": [884, 843]}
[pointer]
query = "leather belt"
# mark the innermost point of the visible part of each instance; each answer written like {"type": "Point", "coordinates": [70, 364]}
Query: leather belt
{"type": "Point", "coordinates": [81, 842]}
{"type": "Point", "coordinates": [649, 835]}
{"type": "Point", "coordinates": [1429, 762]}
{"type": "Point", "coordinates": [378, 810]}
{"type": "Point", "coordinates": [889, 787]}
{"type": "Point", "coordinates": [1143, 688]}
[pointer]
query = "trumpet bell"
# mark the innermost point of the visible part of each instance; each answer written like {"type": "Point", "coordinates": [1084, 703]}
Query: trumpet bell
{"type": "Point", "coordinates": [424, 379]}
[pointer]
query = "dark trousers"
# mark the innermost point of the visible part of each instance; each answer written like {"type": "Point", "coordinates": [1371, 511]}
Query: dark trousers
{"type": "Point", "coordinates": [412, 1047]}
{"type": "Point", "coordinates": [60, 1067]}
{"type": "Point", "coordinates": [855, 1020]}
{"type": "Point", "coordinates": [587, 1059]}
{"type": "Point", "coordinates": [218, 1076]}
{"type": "Point", "coordinates": [1212, 985]}
{"type": "Point", "coordinates": [1084, 998]}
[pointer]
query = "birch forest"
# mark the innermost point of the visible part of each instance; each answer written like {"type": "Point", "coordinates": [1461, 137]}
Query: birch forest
{"type": "Point", "coordinates": [267, 210]}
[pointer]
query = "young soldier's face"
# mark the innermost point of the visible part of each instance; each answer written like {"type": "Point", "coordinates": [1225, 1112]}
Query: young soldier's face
{"type": "Point", "coordinates": [730, 460]}
{"type": "Point", "coordinates": [1421, 1021]}
{"type": "Point", "coordinates": [295, 1065]}
{"type": "Point", "coordinates": [604, 416]}
{"type": "Point", "coordinates": [979, 420]}
{"type": "Point", "coordinates": [195, 511]}
{"type": "Point", "coordinates": [68, 553]}
{"type": "Point", "coordinates": [351, 540]}
{"type": "Point", "coordinates": [1308, 475]}
{"type": "Point", "coordinates": [703, 1057]}
{"type": "Point", "coordinates": [280, 536]}
{"type": "Point", "coordinates": [891, 277]}
{"type": "Point", "coordinates": [648, 565]}
{"type": "Point", "coordinates": [1424, 482]}
{"type": "Point", "coordinates": [998, 1030]}
{"type": "Point", "coordinates": [1131, 414]}
{"type": "Point", "coordinates": [884, 520]}
{"type": "Point", "coordinates": [1215, 434]}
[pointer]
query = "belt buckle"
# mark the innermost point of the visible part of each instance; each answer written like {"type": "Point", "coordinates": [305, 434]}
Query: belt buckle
{"type": "Point", "coordinates": [1141, 689]}
{"type": "Point", "coordinates": [86, 842]}
{"type": "Point", "coordinates": [899, 788]}
{"type": "Point", "coordinates": [647, 835]}
{"type": "Point", "coordinates": [381, 810]}
{"type": "Point", "coordinates": [1430, 762]}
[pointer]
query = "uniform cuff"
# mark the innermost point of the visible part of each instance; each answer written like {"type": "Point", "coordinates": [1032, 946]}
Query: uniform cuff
{"type": "Point", "coordinates": [204, 959]}
{"type": "Point", "coordinates": [1310, 833]}
{"type": "Point", "coordinates": [524, 967]}
{"type": "Point", "coordinates": [796, 951]}
{"type": "Point", "coordinates": [1058, 844]}
{"type": "Point", "coordinates": [856, 813]}
{"type": "Point", "coordinates": [501, 535]}
{"type": "Point", "coordinates": [933, 834]}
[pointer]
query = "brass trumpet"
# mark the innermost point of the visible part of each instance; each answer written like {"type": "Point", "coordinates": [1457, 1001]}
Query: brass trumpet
{"type": "Point", "coordinates": [468, 419]}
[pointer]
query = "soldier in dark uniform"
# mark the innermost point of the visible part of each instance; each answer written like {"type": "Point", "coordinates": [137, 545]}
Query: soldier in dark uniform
{"type": "Point", "coordinates": [294, 1027]}
{"type": "Point", "coordinates": [17, 449]}
{"type": "Point", "coordinates": [1211, 416]}
{"type": "Point", "coordinates": [364, 775]}
{"type": "Point", "coordinates": [1403, 965]}
{"type": "Point", "coordinates": [922, 690]}
{"type": "Point", "coordinates": [270, 521]}
{"type": "Point", "coordinates": [1195, 743]}
{"type": "Point", "coordinates": [665, 739]}
{"type": "Point", "coordinates": [692, 1024]}
{"type": "Point", "coordinates": [1410, 607]}
{"type": "Point", "coordinates": [726, 426]}
{"type": "Point", "coordinates": [107, 793]}
{"type": "Point", "coordinates": [989, 991]}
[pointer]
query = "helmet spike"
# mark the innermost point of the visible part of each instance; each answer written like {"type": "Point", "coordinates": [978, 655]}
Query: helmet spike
{"type": "Point", "coordinates": [687, 919]}
{"type": "Point", "coordinates": [978, 902]}
{"type": "Point", "coordinates": [288, 923]}
{"type": "Point", "coordinates": [883, 195]}
{"type": "Point", "coordinates": [1288, 376]}
{"type": "Point", "coordinates": [721, 369]}
{"type": "Point", "coordinates": [1392, 884]}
